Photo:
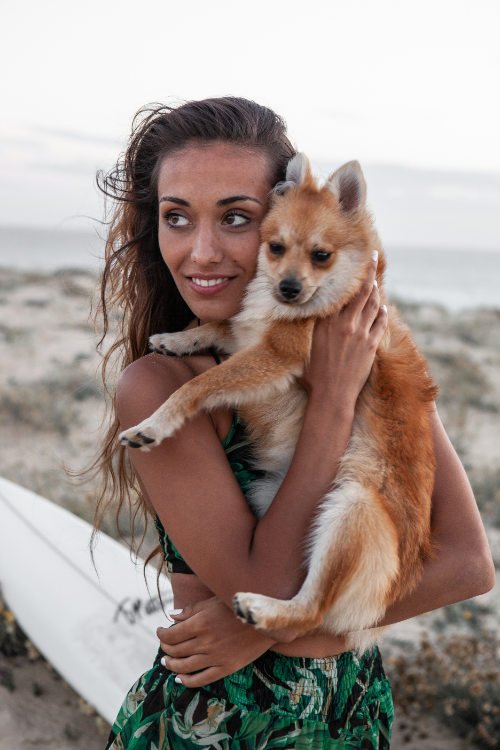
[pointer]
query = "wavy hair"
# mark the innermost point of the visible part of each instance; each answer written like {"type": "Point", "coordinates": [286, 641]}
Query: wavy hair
{"type": "Point", "coordinates": [135, 281]}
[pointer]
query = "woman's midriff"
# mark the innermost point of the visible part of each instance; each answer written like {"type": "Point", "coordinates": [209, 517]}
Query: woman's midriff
{"type": "Point", "coordinates": [189, 590]}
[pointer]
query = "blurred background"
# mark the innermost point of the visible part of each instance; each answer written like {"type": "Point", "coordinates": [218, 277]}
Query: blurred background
{"type": "Point", "coordinates": [410, 90]}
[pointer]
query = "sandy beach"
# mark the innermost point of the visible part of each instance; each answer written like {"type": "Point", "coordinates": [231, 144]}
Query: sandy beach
{"type": "Point", "coordinates": [444, 665]}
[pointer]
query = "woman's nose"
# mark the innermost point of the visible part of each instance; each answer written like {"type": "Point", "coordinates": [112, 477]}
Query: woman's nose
{"type": "Point", "coordinates": [206, 247]}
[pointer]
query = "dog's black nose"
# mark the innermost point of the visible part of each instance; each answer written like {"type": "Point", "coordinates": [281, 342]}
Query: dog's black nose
{"type": "Point", "coordinates": [290, 288]}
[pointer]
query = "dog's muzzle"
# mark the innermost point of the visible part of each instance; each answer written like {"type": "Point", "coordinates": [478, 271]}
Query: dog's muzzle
{"type": "Point", "coordinates": [289, 289]}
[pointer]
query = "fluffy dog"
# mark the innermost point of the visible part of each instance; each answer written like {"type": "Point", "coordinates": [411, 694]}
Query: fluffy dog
{"type": "Point", "coordinates": [372, 530]}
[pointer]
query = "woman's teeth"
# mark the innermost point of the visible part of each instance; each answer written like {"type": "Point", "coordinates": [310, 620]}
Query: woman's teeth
{"type": "Point", "coordinates": [209, 282]}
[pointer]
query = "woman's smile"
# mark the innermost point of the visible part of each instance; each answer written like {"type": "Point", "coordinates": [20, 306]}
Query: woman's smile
{"type": "Point", "coordinates": [207, 285]}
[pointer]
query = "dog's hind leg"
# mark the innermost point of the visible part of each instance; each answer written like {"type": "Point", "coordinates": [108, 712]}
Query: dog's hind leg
{"type": "Point", "coordinates": [353, 562]}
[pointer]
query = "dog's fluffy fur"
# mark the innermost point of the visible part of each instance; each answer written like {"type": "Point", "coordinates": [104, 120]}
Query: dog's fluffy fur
{"type": "Point", "coordinates": [372, 530]}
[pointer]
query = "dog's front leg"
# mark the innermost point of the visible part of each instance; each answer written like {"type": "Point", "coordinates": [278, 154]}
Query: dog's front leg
{"type": "Point", "coordinates": [194, 340]}
{"type": "Point", "coordinates": [250, 375]}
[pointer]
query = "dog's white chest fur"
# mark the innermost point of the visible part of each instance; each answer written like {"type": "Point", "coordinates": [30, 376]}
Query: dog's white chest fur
{"type": "Point", "coordinates": [274, 419]}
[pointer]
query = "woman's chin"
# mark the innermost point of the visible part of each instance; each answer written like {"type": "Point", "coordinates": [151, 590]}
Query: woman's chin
{"type": "Point", "coordinates": [213, 310]}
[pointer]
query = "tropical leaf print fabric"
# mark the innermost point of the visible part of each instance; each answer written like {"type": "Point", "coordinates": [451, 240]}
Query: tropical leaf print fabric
{"type": "Point", "coordinates": [341, 701]}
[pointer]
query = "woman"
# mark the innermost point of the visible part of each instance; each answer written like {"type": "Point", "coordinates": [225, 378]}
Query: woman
{"type": "Point", "coordinates": [192, 190]}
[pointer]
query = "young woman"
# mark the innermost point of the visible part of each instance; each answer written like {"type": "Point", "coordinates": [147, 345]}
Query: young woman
{"type": "Point", "coordinates": [191, 191]}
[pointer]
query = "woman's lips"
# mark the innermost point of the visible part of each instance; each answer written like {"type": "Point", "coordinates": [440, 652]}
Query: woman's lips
{"type": "Point", "coordinates": [208, 285]}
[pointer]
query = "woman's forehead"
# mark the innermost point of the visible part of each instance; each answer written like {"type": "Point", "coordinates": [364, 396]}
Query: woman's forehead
{"type": "Point", "coordinates": [200, 166]}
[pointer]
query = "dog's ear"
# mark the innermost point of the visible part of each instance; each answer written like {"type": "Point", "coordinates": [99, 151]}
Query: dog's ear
{"type": "Point", "coordinates": [348, 184]}
{"type": "Point", "coordinates": [298, 172]}
{"type": "Point", "coordinates": [298, 169]}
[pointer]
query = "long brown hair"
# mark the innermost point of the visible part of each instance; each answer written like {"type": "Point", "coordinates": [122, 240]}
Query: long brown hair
{"type": "Point", "coordinates": [135, 279]}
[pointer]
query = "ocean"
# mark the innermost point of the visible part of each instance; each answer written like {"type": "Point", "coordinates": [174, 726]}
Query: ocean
{"type": "Point", "coordinates": [456, 279]}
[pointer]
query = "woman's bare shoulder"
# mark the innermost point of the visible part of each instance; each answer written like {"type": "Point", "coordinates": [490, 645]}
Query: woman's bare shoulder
{"type": "Point", "coordinates": [146, 383]}
{"type": "Point", "coordinates": [155, 369]}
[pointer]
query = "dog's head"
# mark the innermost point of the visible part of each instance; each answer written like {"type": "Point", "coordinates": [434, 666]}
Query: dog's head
{"type": "Point", "coordinates": [317, 241]}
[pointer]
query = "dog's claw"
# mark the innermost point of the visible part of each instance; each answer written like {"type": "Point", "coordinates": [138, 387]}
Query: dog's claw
{"type": "Point", "coordinates": [237, 609]}
{"type": "Point", "coordinates": [160, 349]}
{"type": "Point", "coordinates": [145, 439]}
{"type": "Point", "coordinates": [239, 612]}
{"type": "Point", "coordinates": [137, 440]}
{"type": "Point", "coordinates": [130, 443]}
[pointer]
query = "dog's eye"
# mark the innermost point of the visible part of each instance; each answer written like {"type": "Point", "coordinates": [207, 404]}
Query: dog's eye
{"type": "Point", "coordinates": [276, 249]}
{"type": "Point", "coordinates": [319, 256]}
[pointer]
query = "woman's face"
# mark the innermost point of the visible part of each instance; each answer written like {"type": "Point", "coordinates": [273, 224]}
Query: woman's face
{"type": "Point", "coordinates": [212, 199]}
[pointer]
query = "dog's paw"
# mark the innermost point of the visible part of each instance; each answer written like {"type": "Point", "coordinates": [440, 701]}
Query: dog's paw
{"type": "Point", "coordinates": [174, 344]}
{"type": "Point", "coordinates": [248, 609]}
{"type": "Point", "coordinates": [143, 438]}
{"type": "Point", "coordinates": [274, 617]}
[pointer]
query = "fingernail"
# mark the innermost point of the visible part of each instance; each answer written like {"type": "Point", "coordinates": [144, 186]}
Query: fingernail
{"type": "Point", "coordinates": [375, 283]}
{"type": "Point", "coordinates": [375, 255]}
{"type": "Point", "coordinates": [178, 680]}
{"type": "Point", "coordinates": [173, 614]}
{"type": "Point", "coordinates": [163, 661]}
{"type": "Point", "coordinates": [384, 308]}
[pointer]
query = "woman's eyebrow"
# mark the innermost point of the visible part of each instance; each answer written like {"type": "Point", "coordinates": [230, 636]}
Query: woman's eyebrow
{"type": "Point", "coordinates": [173, 199]}
{"type": "Point", "coordinates": [221, 202]}
{"type": "Point", "coordinates": [236, 199]}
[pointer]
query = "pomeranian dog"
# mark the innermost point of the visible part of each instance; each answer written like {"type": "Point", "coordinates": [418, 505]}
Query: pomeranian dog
{"type": "Point", "coordinates": [372, 530]}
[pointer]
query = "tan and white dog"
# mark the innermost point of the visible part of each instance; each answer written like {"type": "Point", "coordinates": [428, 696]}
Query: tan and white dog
{"type": "Point", "coordinates": [372, 530]}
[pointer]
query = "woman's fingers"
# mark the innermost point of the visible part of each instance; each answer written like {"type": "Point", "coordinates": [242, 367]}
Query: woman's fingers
{"type": "Point", "coordinates": [204, 677]}
{"type": "Point", "coordinates": [189, 664]}
{"type": "Point", "coordinates": [181, 650]}
{"type": "Point", "coordinates": [379, 326]}
{"type": "Point", "coordinates": [370, 310]}
{"type": "Point", "coordinates": [210, 642]}
{"type": "Point", "coordinates": [368, 285]}
{"type": "Point", "coordinates": [181, 632]}
{"type": "Point", "coordinates": [355, 307]}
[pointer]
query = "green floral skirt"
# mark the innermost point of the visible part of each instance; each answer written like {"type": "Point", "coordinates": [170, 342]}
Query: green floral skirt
{"type": "Point", "coordinates": [277, 701]}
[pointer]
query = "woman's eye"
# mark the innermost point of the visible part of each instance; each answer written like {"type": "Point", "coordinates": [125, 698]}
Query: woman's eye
{"type": "Point", "coordinates": [176, 220]}
{"type": "Point", "coordinates": [319, 256]}
{"type": "Point", "coordinates": [235, 219]}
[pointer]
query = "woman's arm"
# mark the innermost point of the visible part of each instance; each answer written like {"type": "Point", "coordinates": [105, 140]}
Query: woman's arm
{"type": "Point", "coordinates": [462, 566]}
{"type": "Point", "coordinates": [189, 482]}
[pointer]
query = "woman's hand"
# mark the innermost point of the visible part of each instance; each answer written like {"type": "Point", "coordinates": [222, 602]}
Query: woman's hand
{"type": "Point", "coordinates": [344, 346]}
{"type": "Point", "coordinates": [209, 641]}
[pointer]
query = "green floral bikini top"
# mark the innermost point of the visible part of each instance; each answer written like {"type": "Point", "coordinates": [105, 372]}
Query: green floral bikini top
{"type": "Point", "coordinates": [238, 450]}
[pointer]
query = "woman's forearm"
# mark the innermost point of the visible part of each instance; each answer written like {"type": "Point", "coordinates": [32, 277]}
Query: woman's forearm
{"type": "Point", "coordinates": [452, 576]}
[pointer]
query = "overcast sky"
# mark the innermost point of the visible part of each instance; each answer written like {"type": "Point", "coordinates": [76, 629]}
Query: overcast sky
{"type": "Point", "coordinates": [410, 89]}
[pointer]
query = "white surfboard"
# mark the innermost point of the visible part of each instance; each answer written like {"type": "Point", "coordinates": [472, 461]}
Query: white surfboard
{"type": "Point", "coordinates": [96, 628]}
